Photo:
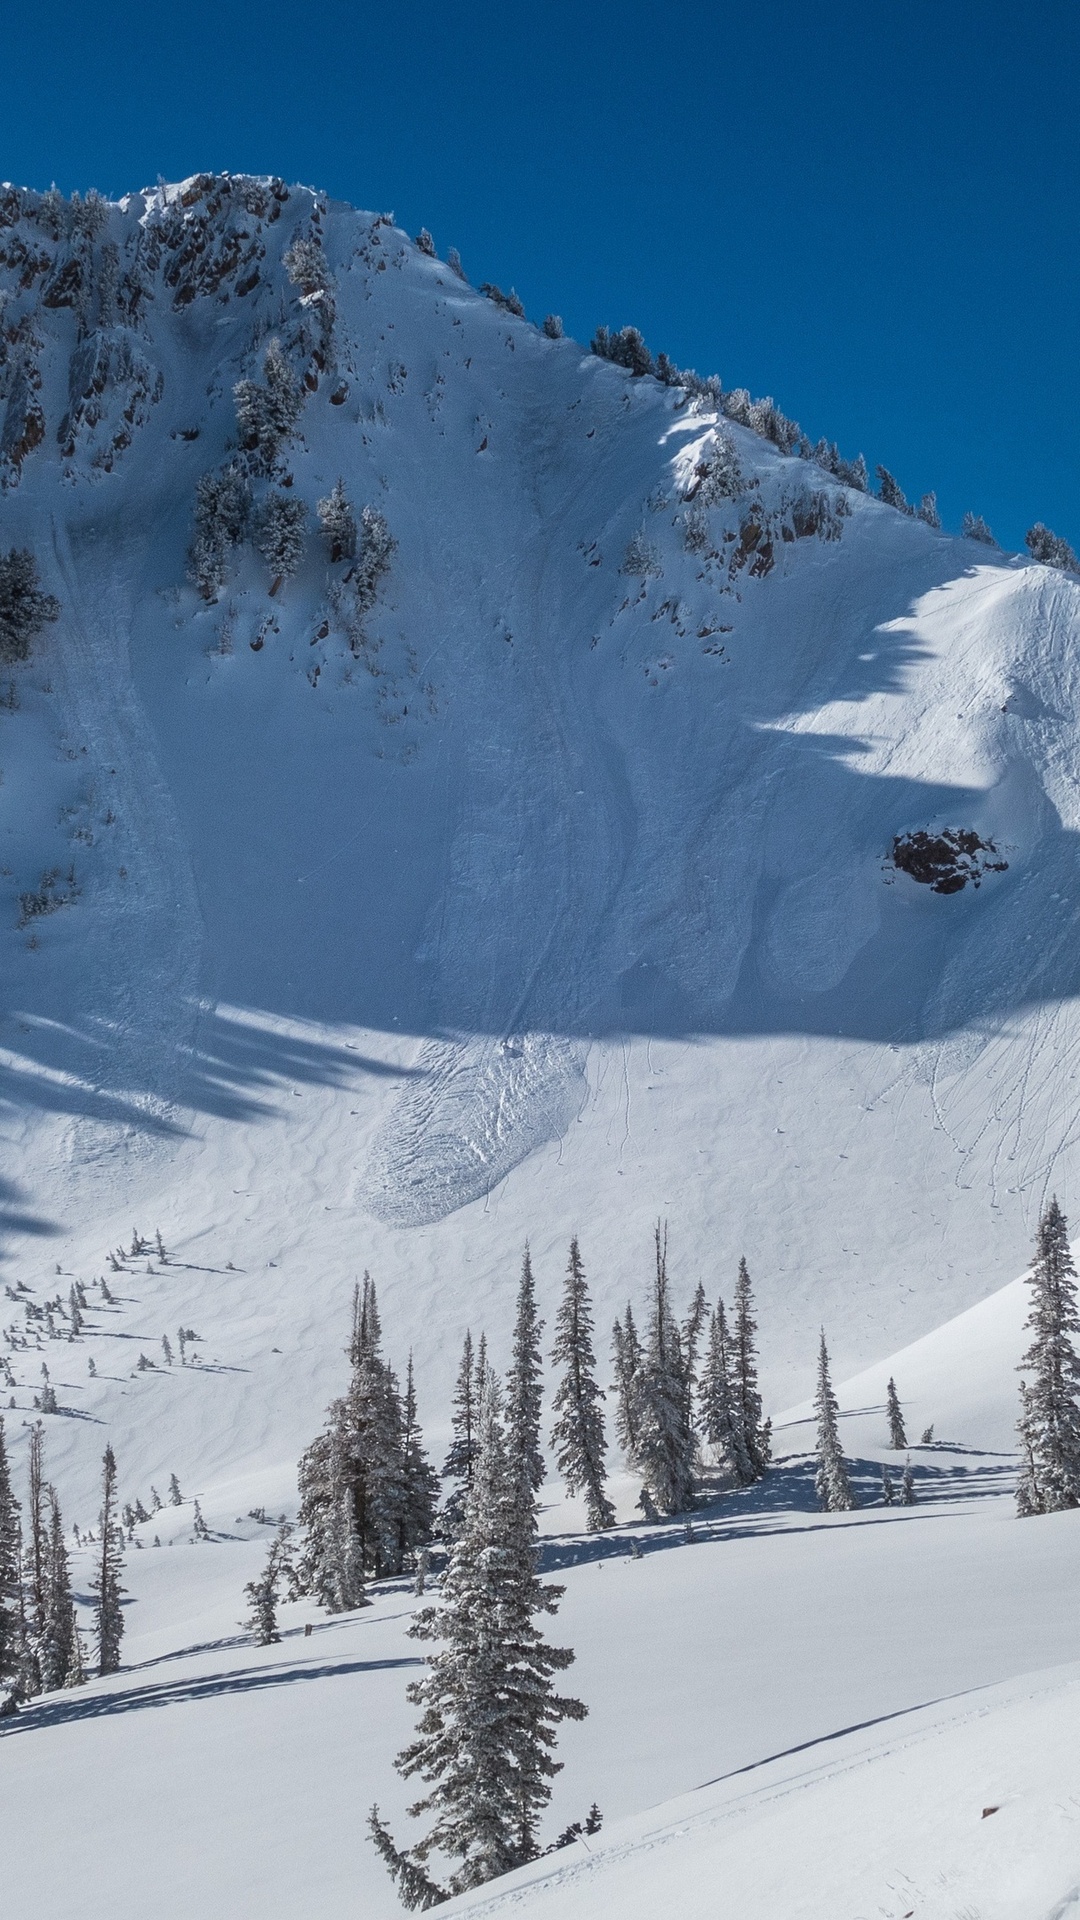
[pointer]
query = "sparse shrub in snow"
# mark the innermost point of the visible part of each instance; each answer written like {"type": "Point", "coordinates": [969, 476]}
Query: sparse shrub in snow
{"type": "Point", "coordinates": [222, 517]}
{"type": "Point", "coordinates": [488, 1708]}
{"type": "Point", "coordinates": [267, 412]}
{"type": "Point", "coordinates": [425, 243]}
{"type": "Point", "coordinates": [508, 301]}
{"type": "Point", "coordinates": [578, 1431]}
{"type": "Point", "coordinates": [1050, 549]}
{"type": "Point", "coordinates": [553, 326]}
{"type": "Point", "coordinates": [641, 559]}
{"type": "Point", "coordinates": [974, 527]}
{"type": "Point", "coordinates": [891, 492]}
{"type": "Point", "coordinates": [897, 1435]}
{"type": "Point", "coordinates": [280, 535]}
{"type": "Point", "coordinates": [24, 609]}
{"type": "Point", "coordinates": [109, 1617]}
{"type": "Point", "coordinates": [1049, 1425]}
{"type": "Point", "coordinates": [927, 511]}
{"type": "Point", "coordinates": [338, 523]}
{"type": "Point", "coordinates": [831, 1480]}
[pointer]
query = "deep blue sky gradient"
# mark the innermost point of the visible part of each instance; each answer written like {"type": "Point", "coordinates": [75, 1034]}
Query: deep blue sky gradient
{"type": "Point", "coordinates": [868, 211]}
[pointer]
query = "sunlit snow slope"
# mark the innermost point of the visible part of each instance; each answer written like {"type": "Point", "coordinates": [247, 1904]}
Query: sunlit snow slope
{"type": "Point", "coordinates": [563, 901]}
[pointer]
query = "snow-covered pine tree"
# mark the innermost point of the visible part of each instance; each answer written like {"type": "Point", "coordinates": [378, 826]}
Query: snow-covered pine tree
{"type": "Point", "coordinates": [176, 1498]}
{"type": "Point", "coordinates": [831, 1480]}
{"type": "Point", "coordinates": [11, 1650]}
{"type": "Point", "coordinates": [37, 1537]}
{"type": "Point", "coordinates": [24, 609]}
{"type": "Point", "coordinates": [553, 326]}
{"type": "Point", "coordinates": [489, 1711]}
{"type": "Point", "coordinates": [974, 527]}
{"type": "Point", "coordinates": [665, 1442]}
{"type": "Point", "coordinates": [897, 1435]}
{"type": "Point", "coordinates": [109, 1617]}
{"type": "Point", "coordinates": [721, 1428]}
{"type": "Point", "coordinates": [1049, 1425]}
{"type": "Point", "coordinates": [421, 1482]}
{"type": "Point", "coordinates": [578, 1431]}
{"type": "Point", "coordinates": [261, 1594]}
{"type": "Point", "coordinates": [927, 511]}
{"type": "Point", "coordinates": [753, 1431]}
{"type": "Point", "coordinates": [57, 1651]}
{"type": "Point", "coordinates": [459, 1462]}
{"type": "Point", "coordinates": [338, 523]}
{"type": "Point", "coordinates": [222, 516]}
{"type": "Point", "coordinates": [888, 1492]}
{"type": "Point", "coordinates": [267, 412]}
{"type": "Point", "coordinates": [627, 1359]}
{"type": "Point", "coordinates": [1047, 547]}
{"type": "Point", "coordinates": [891, 491]}
{"type": "Point", "coordinates": [280, 535]}
{"type": "Point", "coordinates": [907, 1486]}
{"type": "Point", "coordinates": [524, 1388]}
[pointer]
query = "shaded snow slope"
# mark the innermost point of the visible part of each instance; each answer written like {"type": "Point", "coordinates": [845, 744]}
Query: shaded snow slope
{"type": "Point", "coordinates": [563, 902]}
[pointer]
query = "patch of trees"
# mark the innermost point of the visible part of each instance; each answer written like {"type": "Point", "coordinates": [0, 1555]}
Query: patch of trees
{"type": "Point", "coordinates": [24, 609]}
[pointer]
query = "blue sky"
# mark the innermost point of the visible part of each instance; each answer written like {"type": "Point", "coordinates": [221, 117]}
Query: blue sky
{"type": "Point", "coordinates": [868, 211]}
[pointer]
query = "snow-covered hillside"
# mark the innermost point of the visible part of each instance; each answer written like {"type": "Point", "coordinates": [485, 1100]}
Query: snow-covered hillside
{"type": "Point", "coordinates": [566, 876]}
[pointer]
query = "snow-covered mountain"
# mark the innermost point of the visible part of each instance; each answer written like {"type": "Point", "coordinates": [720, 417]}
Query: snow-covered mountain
{"type": "Point", "coordinates": [644, 822]}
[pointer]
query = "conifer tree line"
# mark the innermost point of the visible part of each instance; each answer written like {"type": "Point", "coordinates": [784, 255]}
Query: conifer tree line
{"type": "Point", "coordinates": [41, 1646]}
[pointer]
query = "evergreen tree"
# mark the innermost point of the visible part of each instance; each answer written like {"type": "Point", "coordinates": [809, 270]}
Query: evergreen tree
{"type": "Point", "coordinates": [176, 1498]}
{"type": "Point", "coordinates": [421, 1482]}
{"type": "Point", "coordinates": [57, 1646]}
{"type": "Point", "coordinates": [524, 1389]}
{"type": "Point", "coordinates": [37, 1544]}
{"type": "Point", "coordinates": [897, 1436]}
{"type": "Point", "coordinates": [974, 527]}
{"type": "Point", "coordinates": [721, 1426]}
{"type": "Point", "coordinates": [665, 1444]}
{"type": "Point", "coordinates": [24, 609]}
{"type": "Point", "coordinates": [280, 538]}
{"type": "Point", "coordinates": [888, 1492]}
{"type": "Point", "coordinates": [753, 1431]}
{"type": "Point", "coordinates": [461, 1458]}
{"type": "Point", "coordinates": [489, 1712]}
{"type": "Point", "coordinates": [553, 327]}
{"type": "Point", "coordinates": [928, 511]}
{"type": "Point", "coordinates": [261, 1594]}
{"type": "Point", "coordinates": [831, 1481]}
{"type": "Point", "coordinates": [1049, 1426]}
{"type": "Point", "coordinates": [907, 1486]}
{"type": "Point", "coordinates": [267, 413]}
{"type": "Point", "coordinates": [628, 1360]}
{"type": "Point", "coordinates": [891, 491]}
{"type": "Point", "coordinates": [222, 515]}
{"type": "Point", "coordinates": [1047, 547]}
{"type": "Point", "coordinates": [578, 1432]}
{"type": "Point", "coordinates": [11, 1650]}
{"type": "Point", "coordinates": [109, 1618]}
{"type": "Point", "coordinates": [338, 523]}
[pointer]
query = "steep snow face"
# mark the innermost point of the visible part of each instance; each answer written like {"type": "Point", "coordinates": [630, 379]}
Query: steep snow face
{"type": "Point", "coordinates": [553, 887]}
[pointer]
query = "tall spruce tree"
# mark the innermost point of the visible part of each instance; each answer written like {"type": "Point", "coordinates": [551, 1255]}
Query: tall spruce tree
{"type": "Point", "coordinates": [421, 1482]}
{"type": "Point", "coordinates": [627, 1358]}
{"type": "Point", "coordinates": [665, 1444]}
{"type": "Point", "coordinates": [1049, 1425]}
{"type": "Point", "coordinates": [11, 1611]}
{"type": "Point", "coordinates": [578, 1432]}
{"type": "Point", "coordinates": [831, 1480]}
{"type": "Point", "coordinates": [524, 1387]}
{"type": "Point", "coordinates": [754, 1432]}
{"type": "Point", "coordinates": [37, 1541]}
{"type": "Point", "coordinates": [58, 1650]}
{"type": "Point", "coordinates": [461, 1458]}
{"type": "Point", "coordinates": [721, 1428]}
{"type": "Point", "coordinates": [897, 1436]}
{"type": "Point", "coordinates": [489, 1711]}
{"type": "Point", "coordinates": [108, 1612]}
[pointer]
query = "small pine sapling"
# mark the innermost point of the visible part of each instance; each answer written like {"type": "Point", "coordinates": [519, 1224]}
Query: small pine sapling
{"type": "Point", "coordinates": [907, 1486]}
